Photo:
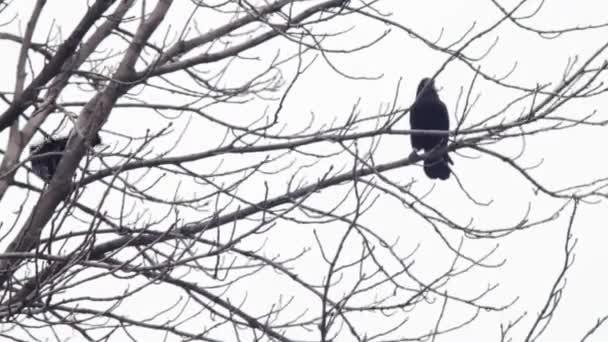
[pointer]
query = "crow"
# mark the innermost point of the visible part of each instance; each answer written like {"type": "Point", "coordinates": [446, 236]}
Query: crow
{"type": "Point", "coordinates": [46, 155]}
{"type": "Point", "coordinates": [429, 112]}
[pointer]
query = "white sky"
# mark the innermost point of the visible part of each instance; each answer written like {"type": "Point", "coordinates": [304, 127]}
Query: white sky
{"type": "Point", "coordinates": [569, 157]}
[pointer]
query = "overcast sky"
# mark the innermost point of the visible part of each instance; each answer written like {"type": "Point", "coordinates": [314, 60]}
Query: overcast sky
{"type": "Point", "coordinates": [532, 258]}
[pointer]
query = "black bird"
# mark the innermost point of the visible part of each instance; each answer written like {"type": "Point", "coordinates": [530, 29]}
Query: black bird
{"type": "Point", "coordinates": [428, 112]}
{"type": "Point", "coordinates": [46, 155]}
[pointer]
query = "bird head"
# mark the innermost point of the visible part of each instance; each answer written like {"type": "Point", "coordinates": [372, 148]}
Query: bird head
{"type": "Point", "coordinates": [96, 140]}
{"type": "Point", "coordinates": [426, 84]}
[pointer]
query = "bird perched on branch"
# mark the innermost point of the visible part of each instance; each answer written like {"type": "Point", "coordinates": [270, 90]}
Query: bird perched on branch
{"type": "Point", "coordinates": [430, 113]}
{"type": "Point", "coordinates": [46, 155]}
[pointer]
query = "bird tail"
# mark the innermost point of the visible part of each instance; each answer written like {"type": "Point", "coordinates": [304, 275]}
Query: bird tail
{"type": "Point", "coordinates": [438, 167]}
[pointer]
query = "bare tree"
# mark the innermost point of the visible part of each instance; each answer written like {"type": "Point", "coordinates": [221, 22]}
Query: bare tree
{"type": "Point", "coordinates": [221, 208]}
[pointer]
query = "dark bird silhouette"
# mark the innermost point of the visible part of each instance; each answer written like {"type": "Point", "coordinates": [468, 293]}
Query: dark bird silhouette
{"type": "Point", "coordinates": [46, 155]}
{"type": "Point", "coordinates": [428, 112]}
